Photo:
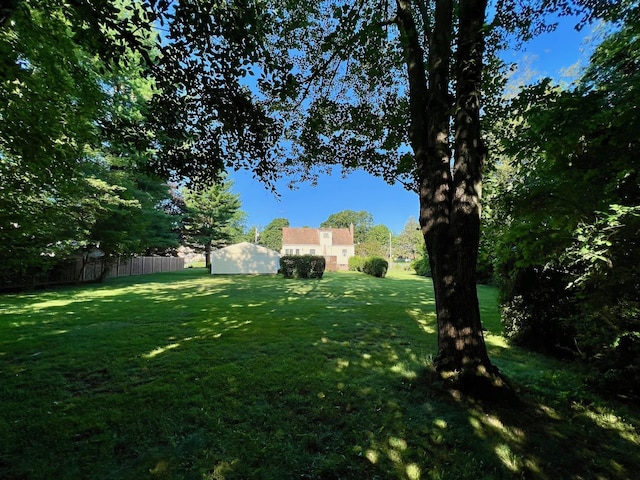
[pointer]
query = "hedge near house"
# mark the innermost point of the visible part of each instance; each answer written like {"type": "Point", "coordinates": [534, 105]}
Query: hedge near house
{"type": "Point", "coordinates": [302, 266]}
{"type": "Point", "coordinates": [374, 266]}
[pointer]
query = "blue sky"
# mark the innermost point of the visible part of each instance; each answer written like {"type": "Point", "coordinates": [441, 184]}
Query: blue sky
{"type": "Point", "coordinates": [309, 206]}
{"type": "Point", "coordinates": [548, 55]}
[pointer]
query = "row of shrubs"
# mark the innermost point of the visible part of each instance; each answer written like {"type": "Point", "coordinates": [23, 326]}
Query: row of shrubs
{"type": "Point", "coordinates": [375, 266]}
{"type": "Point", "coordinates": [313, 266]}
{"type": "Point", "coordinates": [302, 266]}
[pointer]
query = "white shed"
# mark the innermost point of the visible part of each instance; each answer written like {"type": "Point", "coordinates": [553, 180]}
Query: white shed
{"type": "Point", "coordinates": [244, 258]}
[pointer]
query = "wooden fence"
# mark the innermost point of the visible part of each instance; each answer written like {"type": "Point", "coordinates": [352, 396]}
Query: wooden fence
{"type": "Point", "coordinates": [124, 267]}
{"type": "Point", "coordinates": [72, 271]}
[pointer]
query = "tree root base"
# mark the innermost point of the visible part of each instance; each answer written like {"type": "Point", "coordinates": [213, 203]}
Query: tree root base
{"type": "Point", "coordinates": [475, 384]}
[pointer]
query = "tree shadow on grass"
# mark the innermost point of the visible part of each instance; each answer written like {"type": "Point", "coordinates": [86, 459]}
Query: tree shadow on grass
{"type": "Point", "coordinates": [419, 428]}
{"type": "Point", "coordinates": [550, 438]}
{"type": "Point", "coordinates": [265, 378]}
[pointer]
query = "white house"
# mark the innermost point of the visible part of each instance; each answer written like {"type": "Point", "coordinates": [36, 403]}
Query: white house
{"type": "Point", "coordinates": [335, 244]}
{"type": "Point", "coordinates": [244, 258]}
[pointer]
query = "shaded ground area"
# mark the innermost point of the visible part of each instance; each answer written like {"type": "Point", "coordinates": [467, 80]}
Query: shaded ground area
{"type": "Point", "coordinates": [185, 375]}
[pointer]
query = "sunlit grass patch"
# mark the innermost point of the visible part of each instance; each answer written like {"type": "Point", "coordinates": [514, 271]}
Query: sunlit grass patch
{"type": "Point", "coordinates": [188, 375]}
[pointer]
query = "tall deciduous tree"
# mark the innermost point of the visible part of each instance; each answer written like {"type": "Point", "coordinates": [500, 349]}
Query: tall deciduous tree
{"type": "Point", "coordinates": [376, 242]}
{"type": "Point", "coordinates": [395, 88]}
{"type": "Point", "coordinates": [409, 242]}
{"type": "Point", "coordinates": [93, 98]}
{"type": "Point", "coordinates": [271, 235]}
{"type": "Point", "coordinates": [74, 146]}
{"type": "Point", "coordinates": [365, 119]}
{"type": "Point", "coordinates": [205, 118]}
{"type": "Point", "coordinates": [362, 223]}
{"type": "Point", "coordinates": [47, 114]}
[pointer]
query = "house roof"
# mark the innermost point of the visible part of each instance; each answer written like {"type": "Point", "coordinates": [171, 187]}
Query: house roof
{"type": "Point", "coordinates": [311, 236]}
{"type": "Point", "coordinates": [300, 236]}
{"type": "Point", "coordinates": [342, 236]}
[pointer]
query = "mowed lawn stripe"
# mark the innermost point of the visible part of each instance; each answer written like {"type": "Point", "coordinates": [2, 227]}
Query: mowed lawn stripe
{"type": "Point", "coordinates": [188, 375]}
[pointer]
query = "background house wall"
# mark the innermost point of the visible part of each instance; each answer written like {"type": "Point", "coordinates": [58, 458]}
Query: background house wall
{"type": "Point", "coordinates": [335, 244]}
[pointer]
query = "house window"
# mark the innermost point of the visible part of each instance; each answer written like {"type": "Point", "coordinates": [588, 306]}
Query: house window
{"type": "Point", "coordinates": [312, 251]}
{"type": "Point", "coordinates": [288, 251]}
{"type": "Point", "coordinates": [325, 235]}
{"type": "Point", "coordinates": [344, 252]}
{"type": "Point", "coordinates": [297, 251]}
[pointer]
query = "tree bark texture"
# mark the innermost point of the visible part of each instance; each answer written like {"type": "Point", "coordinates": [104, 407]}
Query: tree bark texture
{"type": "Point", "coordinates": [461, 341]}
{"type": "Point", "coordinates": [207, 254]}
{"type": "Point", "coordinates": [450, 194]}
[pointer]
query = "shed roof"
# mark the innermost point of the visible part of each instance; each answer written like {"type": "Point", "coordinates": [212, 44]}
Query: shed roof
{"type": "Point", "coordinates": [244, 247]}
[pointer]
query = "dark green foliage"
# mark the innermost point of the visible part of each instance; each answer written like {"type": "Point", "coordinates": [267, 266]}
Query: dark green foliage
{"type": "Point", "coordinates": [485, 273]}
{"type": "Point", "coordinates": [375, 266]}
{"type": "Point", "coordinates": [302, 266]}
{"type": "Point", "coordinates": [568, 254]}
{"type": "Point", "coordinates": [287, 266]}
{"type": "Point", "coordinates": [271, 235]}
{"type": "Point", "coordinates": [422, 266]}
{"type": "Point", "coordinates": [98, 110]}
{"type": "Point", "coordinates": [534, 312]}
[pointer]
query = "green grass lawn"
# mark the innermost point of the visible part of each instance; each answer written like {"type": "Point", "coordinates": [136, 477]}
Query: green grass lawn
{"type": "Point", "coordinates": [188, 375]}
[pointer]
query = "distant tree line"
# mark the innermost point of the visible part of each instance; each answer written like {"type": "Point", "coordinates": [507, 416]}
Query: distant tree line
{"type": "Point", "coordinates": [370, 240]}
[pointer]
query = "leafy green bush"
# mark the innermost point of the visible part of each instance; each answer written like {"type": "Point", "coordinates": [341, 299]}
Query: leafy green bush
{"type": "Point", "coordinates": [302, 266]}
{"type": "Point", "coordinates": [317, 266]}
{"type": "Point", "coordinates": [356, 263]}
{"type": "Point", "coordinates": [422, 266]}
{"type": "Point", "coordinates": [535, 311]}
{"type": "Point", "coordinates": [575, 209]}
{"type": "Point", "coordinates": [586, 305]}
{"type": "Point", "coordinates": [375, 266]}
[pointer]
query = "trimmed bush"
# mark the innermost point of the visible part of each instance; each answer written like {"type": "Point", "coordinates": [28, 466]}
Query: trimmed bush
{"type": "Point", "coordinates": [375, 266]}
{"type": "Point", "coordinates": [287, 266]}
{"type": "Point", "coordinates": [422, 266]}
{"type": "Point", "coordinates": [356, 263]}
{"type": "Point", "coordinates": [317, 265]}
{"type": "Point", "coordinates": [302, 266]}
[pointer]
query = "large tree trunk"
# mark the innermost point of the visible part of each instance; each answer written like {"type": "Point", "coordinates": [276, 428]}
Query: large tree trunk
{"type": "Point", "coordinates": [461, 345]}
{"type": "Point", "coordinates": [450, 198]}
